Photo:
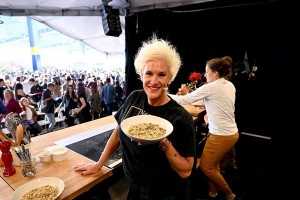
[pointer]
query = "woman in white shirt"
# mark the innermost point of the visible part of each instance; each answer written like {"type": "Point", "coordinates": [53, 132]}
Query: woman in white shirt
{"type": "Point", "coordinates": [219, 98]}
{"type": "Point", "coordinates": [29, 117]}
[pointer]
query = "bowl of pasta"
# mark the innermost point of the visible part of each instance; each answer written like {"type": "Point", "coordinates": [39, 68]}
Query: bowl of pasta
{"type": "Point", "coordinates": [146, 129]}
{"type": "Point", "coordinates": [48, 188]}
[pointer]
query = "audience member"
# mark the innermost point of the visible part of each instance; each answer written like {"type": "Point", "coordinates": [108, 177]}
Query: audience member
{"type": "Point", "coordinates": [84, 106]}
{"type": "Point", "coordinates": [32, 103]}
{"type": "Point", "coordinates": [45, 84]}
{"type": "Point", "coordinates": [119, 98]}
{"type": "Point", "coordinates": [29, 117]}
{"type": "Point", "coordinates": [3, 110]}
{"type": "Point", "coordinates": [18, 87]}
{"type": "Point", "coordinates": [36, 90]}
{"type": "Point", "coordinates": [69, 102]}
{"type": "Point", "coordinates": [48, 102]}
{"type": "Point", "coordinates": [108, 94]}
{"type": "Point", "coordinates": [124, 88]}
{"type": "Point", "coordinates": [11, 104]}
{"type": "Point", "coordinates": [8, 84]}
{"type": "Point", "coordinates": [96, 108]}
{"type": "Point", "coordinates": [2, 88]}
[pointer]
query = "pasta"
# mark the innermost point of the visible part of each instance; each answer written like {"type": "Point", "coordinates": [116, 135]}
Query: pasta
{"type": "Point", "coordinates": [46, 192]}
{"type": "Point", "coordinates": [146, 131]}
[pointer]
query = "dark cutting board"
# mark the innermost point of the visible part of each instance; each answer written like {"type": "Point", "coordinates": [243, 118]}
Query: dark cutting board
{"type": "Point", "coordinates": [93, 147]}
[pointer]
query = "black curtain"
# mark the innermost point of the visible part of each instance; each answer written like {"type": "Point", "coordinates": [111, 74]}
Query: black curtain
{"type": "Point", "coordinates": [131, 45]}
{"type": "Point", "coordinates": [260, 29]}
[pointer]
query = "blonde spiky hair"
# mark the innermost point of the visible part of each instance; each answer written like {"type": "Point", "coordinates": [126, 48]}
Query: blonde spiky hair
{"type": "Point", "coordinates": [157, 49]}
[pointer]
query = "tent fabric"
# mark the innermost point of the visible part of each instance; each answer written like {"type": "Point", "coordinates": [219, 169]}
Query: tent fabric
{"type": "Point", "coordinates": [61, 7]}
{"type": "Point", "coordinates": [89, 30]}
{"type": "Point", "coordinates": [81, 19]}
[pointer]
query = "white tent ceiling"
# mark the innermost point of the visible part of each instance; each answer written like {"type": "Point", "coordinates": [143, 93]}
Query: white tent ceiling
{"type": "Point", "coordinates": [89, 30]}
{"type": "Point", "coordinates": [81, 20]}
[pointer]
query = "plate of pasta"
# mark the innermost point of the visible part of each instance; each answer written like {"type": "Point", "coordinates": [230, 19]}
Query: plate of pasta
{"type": "Point", "coordinates": [47, 188]}
{"type": "Point", "coordinates": [146, 129]}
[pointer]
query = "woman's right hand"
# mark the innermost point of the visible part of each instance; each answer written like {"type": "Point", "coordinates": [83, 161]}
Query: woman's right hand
{"type": "Point", "coordinates": [183, 90]}
{"type": "Point", "coordinates": [87, 168]}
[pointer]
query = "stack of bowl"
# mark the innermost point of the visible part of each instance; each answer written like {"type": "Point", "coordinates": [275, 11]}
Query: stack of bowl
{"type": "Point", "coordinates": [58, 153]}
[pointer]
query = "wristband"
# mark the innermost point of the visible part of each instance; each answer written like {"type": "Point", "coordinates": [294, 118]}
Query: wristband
{"type": "Point", "coordinates": [165, 144]}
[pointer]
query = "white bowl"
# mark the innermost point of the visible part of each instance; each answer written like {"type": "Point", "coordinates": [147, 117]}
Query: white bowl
{"type": "Point", "coordinates": [52, 148]}
{"type": "Point", "coordinates": [59, 154]}
{"type": "Point", "coordinates": [44, 156]}
{"type": "Point", "coordinates": [36, 183]}
{"type": "Point", "coordinates": [163, 123]}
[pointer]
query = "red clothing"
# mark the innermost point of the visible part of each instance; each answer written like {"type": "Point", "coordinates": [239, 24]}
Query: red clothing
{"type": "Point", "coordinates": [91, 83]}
{"type": "Point", "coordinates": [12, 106]}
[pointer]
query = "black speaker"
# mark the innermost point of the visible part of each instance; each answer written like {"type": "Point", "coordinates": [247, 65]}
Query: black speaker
{"type": "Point", "coordinates": [111, 21]}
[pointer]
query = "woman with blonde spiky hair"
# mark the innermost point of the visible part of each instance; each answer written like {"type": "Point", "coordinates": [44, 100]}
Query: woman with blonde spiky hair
{"type": "Point", "coordinates": [163, 50]}
{"type": "Point", "coordinates": [160, 170]}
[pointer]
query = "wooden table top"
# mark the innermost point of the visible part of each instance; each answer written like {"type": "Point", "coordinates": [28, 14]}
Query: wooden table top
{"type": "Point", "coordinates": [75, 184]}
{"type": "Point", "coordinates": [6, 191]}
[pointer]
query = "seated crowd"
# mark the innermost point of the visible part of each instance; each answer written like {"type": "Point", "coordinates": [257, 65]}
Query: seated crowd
{"type": "Point", "coordinates": [39, 101]}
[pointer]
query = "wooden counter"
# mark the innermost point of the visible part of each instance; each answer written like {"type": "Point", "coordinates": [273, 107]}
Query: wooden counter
{"type": "Point", "coordinates": [6, 191]}
{"type": "Point", "coordinates": [75, 184]}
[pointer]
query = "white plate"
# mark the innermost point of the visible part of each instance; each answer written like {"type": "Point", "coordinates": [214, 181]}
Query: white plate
{"type": "Point", "coordinates": [23, 189]}
{"type": "Point", "coordinates": [127, 123]}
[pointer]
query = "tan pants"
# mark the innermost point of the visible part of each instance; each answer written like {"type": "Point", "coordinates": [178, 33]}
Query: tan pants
{"type": "Point", "coordinates": [228, 160]}
{"type": "Point", "coordinates": [215, 148]}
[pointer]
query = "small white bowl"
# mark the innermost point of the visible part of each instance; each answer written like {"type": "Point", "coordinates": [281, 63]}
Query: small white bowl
{"type": "Point", "coordinates": [44, 156]}
{"type": "Point", "coordinates": [52, 148]}
{"type": "Point", "coordinates": [59, 154]}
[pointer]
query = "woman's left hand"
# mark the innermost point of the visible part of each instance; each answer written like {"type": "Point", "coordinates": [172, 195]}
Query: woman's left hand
{"type": "Point", "coordinates": [86, 168]}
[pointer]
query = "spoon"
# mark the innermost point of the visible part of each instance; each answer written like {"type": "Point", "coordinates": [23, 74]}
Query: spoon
{"type": "Point", "coordinates": [19, 134]}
